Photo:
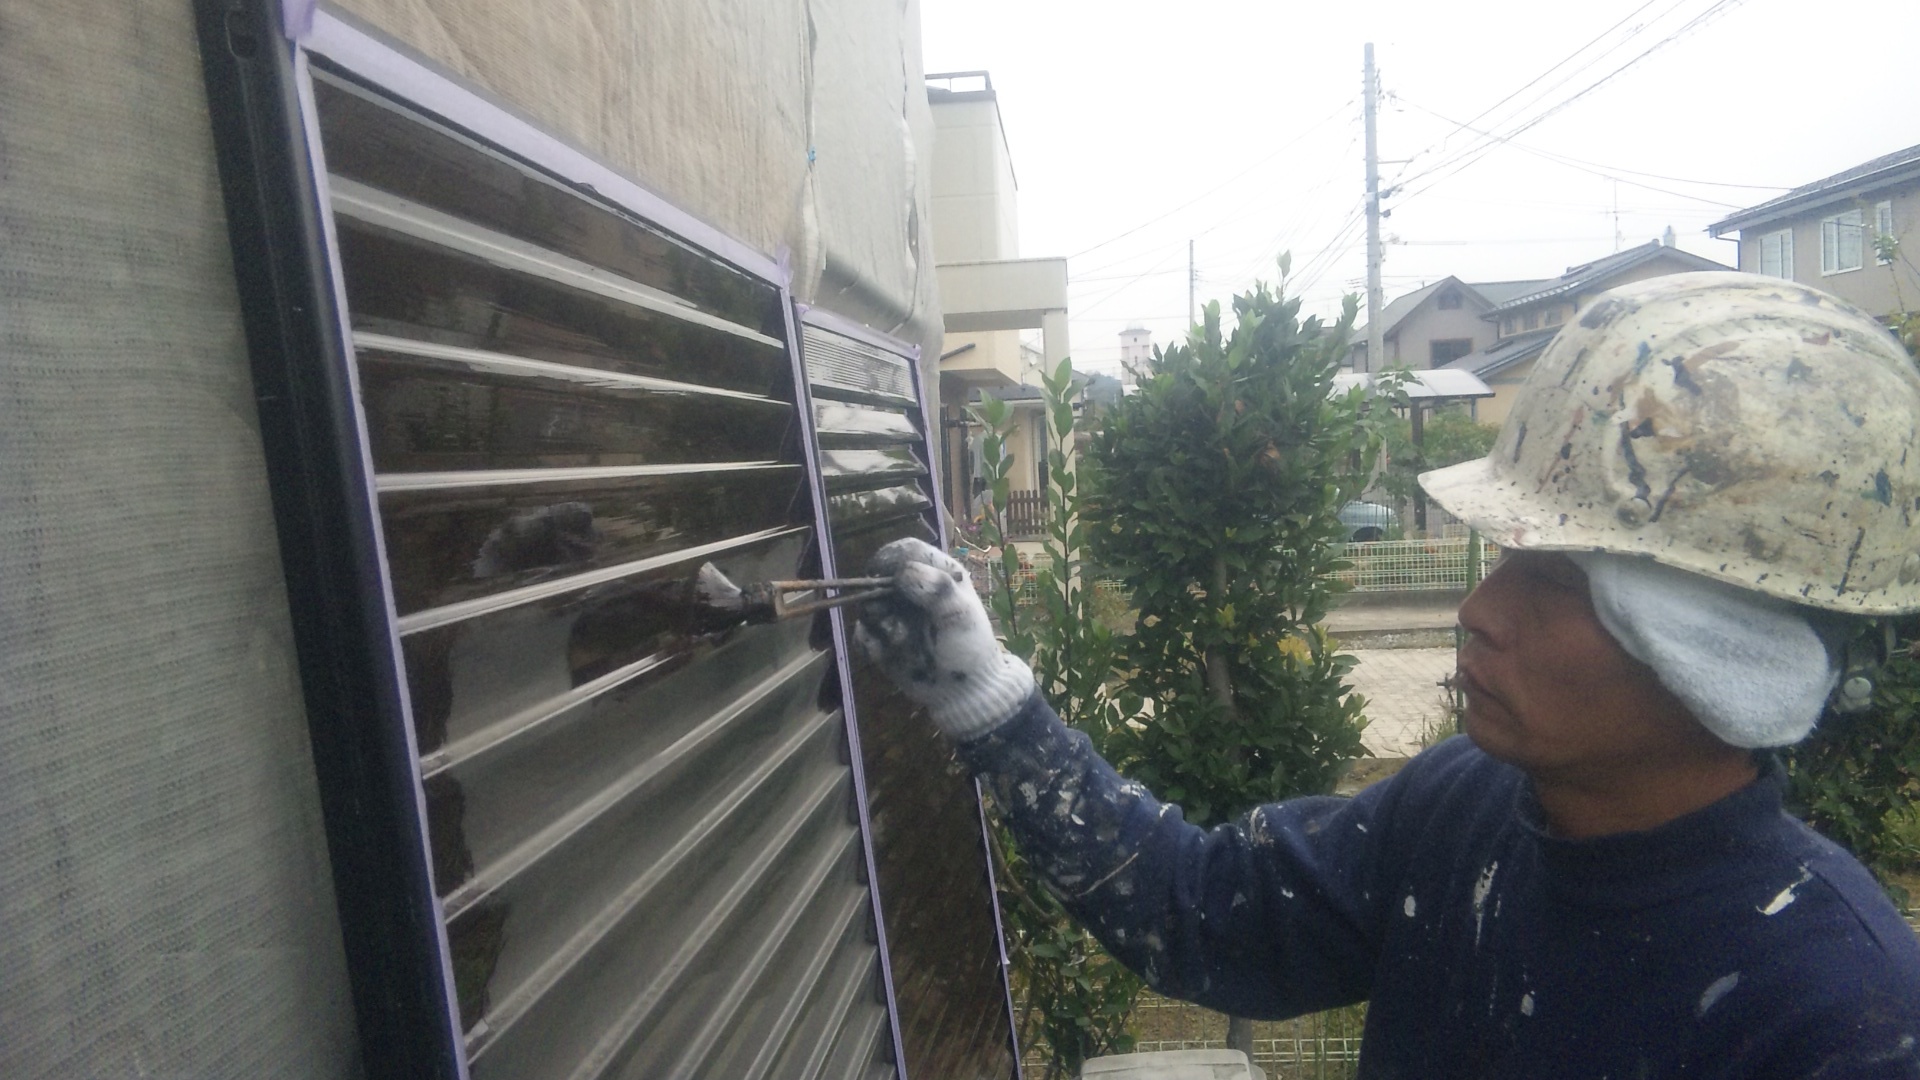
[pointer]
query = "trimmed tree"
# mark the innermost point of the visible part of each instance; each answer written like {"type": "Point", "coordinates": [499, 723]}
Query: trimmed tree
{"type": "Point", "coordinates": [1214, 492]}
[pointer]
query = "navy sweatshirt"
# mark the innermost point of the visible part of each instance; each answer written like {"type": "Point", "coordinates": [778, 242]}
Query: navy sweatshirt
{"type": "Point", "coordinates": [1733, 942]}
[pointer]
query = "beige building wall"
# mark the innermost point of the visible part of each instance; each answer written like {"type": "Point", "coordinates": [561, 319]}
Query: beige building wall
{"type": "Point", "coordinates": [975, 194]}
{"type": "Point", "coordinates": [1879, 289]}
{"type": "Point", "coordinates": [994, 354]}
{"type": "Point", "coordinates": [1567, 308]}
{"type": "Point", "coordinates": [1023, 467]}
{"type": "Point", "coordinates": [975, 219]}
{"type": "Point", "coordinates": [1546, 316]}
{"type": "Point", "coordinates": [1409, 343]}
{"type": "Point", "coordinates": [1654, 269]}
{"type": "Point", "coordinates": [1505, 386]}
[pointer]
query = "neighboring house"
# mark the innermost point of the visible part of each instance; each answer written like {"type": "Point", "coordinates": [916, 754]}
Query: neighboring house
{"type": "Point", "coordinates": [1436, 324]}
{"type": "Point", "coordinates": [1027, 444]}
{"type": "Point", "coordinates": [1526, 321]}
{"type": "Point", "coordinates": [988, 292]}
{"type": "Point", "coordinates": [1823, 234]}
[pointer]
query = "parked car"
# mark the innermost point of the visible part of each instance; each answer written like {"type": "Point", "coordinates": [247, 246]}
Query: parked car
{"type": "Point", "coordinates": [1366, 522]}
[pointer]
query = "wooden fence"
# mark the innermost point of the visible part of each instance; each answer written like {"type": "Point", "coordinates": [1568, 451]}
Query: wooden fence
{"type": "Point", "coordinates": [1026, 515]}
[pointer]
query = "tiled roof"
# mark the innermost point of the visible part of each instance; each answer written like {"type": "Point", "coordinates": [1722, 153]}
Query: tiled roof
{"type": "Point", "coordinates": [1579, 277]}
{"type": "Point", "coordinates": [1499, 292]}
{"type": "Point", "coordinates": [1487, 293]}
{"type": "Point", "coordinates": [1503, 354]}
{"type": "Point", "coordinates": [1885, 167]}
{"type": "Point", "coordinates": [1505, 295]}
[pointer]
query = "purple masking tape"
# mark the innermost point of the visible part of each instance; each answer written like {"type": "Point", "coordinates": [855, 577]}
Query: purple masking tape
{"type": "Point", "coordinates": [296, 18]}
{"type": "Point", "coordinates": [783, 261]}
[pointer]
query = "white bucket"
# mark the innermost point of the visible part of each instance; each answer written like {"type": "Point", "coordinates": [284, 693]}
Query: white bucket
{"type": "Point", "coordinates": [1173, 1065]}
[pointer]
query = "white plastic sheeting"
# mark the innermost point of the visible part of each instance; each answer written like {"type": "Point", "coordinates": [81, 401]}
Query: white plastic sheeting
{"type": "Point", "coordinates": [794, 127]}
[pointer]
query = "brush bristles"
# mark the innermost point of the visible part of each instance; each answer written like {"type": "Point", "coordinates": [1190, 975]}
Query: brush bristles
{"type": "Point", "coordinates": [712, 588]}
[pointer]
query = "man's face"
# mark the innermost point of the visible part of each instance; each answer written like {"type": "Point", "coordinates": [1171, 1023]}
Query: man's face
{"type": "Point", "coordinates": [1549, 690]}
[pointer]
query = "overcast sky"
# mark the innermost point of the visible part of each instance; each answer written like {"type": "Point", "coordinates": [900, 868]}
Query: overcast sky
{"type": "Point", "coordinates": [1136, 125]}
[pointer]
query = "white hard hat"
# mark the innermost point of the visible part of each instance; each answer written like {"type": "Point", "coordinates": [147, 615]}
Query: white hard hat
{"type": "Point", "coordinates": [1745, 428]}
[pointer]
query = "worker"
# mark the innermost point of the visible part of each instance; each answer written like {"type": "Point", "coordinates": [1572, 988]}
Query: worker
{"type": "Point", "coordinates": [1704, 486]}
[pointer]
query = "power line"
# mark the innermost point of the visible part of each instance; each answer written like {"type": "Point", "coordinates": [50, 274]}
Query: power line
{"type": "Point", "coordinates": [1587, 206]}
{"type": "Point", "coordinates": [1130, 282]}
{"type": "Point", "coordinates": [1603, 170]}
{"type": "Point", "coordinates": [1283, 240]}
{"type": "Point", "coordinates": [1234, 215]}
{"type": "Point", "coordinates": [1562, 62]}
{"type": "Point", "coordinates": [1076, 279]}
{"type": "Point", "coordinates": [1497, 243]}
{"type": "Point", "coordinates": [1462, 160]}
{"type": "Point", "coordinates": [1566, 59]}
{"type": "Point", "coordinates": [1322, 261]}
{"type": "Point", "coordinates": [1492, 141]}
{"type": "Point", "coordinates": [1236, 177]}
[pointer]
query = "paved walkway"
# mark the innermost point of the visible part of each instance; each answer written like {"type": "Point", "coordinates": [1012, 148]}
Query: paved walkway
{"type": "Point", "coordinates": [1405, 701]}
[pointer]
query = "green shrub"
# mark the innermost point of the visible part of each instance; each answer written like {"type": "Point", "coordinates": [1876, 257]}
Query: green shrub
{"type": "Point", "coordinates": [1214, 493]}
{"type": "Point", "coordinates": [1074, 1000]}
{"type": "Point", "coordinates": [1856, 779]}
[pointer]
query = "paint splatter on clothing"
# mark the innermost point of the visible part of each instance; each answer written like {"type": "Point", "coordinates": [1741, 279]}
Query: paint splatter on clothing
{"type": "Point", "coordinates": [1486, 946]}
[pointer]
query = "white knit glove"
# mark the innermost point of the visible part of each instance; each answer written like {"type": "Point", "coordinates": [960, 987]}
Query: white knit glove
{"type": "Point", "coordinates": [932, 638]}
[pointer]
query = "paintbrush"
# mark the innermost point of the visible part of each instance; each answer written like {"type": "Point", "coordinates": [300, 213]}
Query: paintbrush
{"type": "Point", "coordinates": [773, 601]}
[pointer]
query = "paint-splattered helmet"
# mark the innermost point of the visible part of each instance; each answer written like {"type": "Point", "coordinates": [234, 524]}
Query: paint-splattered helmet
{"type": "Point", "coordinates": [1745, 428]}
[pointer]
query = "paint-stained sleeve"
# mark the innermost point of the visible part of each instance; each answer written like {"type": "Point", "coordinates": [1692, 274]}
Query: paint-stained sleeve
{"type": "Point", "coordinates": [1275, 915]}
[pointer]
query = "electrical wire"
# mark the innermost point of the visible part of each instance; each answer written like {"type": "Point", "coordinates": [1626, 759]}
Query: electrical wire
{"type": "Point", "coordinates": [1076, 279]}
{"type": "Point", "coordinates": [1567, 59]}
{"type": "Point", "coordinates": [1562, 62]}
{"type": "Point", "coordinates": [1235, 178]}
{"type": "Point", "coordinates": [1473, 154]}
{"type": "Point", "coordinates": [1128, 285]}
{"type": "Point", "coordinates": [1603, 170]}
{"type": "Point", "coordinates": [1322, 261]}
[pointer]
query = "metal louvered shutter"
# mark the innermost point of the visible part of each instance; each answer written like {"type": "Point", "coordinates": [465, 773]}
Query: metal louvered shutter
{"type": "Point", "coordinates": [642, 831]}
{"type": "Point", "coordinates": [936, 888]}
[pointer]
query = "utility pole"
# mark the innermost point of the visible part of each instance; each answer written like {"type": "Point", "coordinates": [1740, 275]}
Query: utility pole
{"type": "Point", "coordinates": [1375, 357]}
{"type": "Point", "coordinates": [1193, 282]}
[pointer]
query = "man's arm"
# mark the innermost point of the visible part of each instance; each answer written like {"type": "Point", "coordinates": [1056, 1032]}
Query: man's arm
{"type": "Point", "coordinates": [1270, 917]}
{"type": "Point", "coordinates": [1274, 916]}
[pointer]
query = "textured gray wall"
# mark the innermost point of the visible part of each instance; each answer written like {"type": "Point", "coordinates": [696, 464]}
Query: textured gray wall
{"type": "Point", "coordinates": [165, 904]}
